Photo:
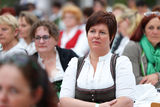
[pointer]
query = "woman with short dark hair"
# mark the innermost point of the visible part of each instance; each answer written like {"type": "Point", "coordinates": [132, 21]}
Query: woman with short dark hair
{"type": "Point", "coordinates": [99, 80]}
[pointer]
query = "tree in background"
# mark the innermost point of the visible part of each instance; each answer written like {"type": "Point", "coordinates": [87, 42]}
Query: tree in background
{"type": "Point", "coordinates": [150, 3]}
{"type": "Point", "coordinates": [8, 3]}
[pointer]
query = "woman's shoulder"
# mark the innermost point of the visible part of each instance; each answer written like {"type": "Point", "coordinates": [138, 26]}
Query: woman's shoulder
{"type": "Point", "coordinates": [131, 48]}
{"type": "Point", "coordinates": [73, 61]}
{"type": "Point", "coordinates": [132, 44]}
{"type": "Point", "coordinates": [121, 59]}
{"type": "Point", "coordinates": [66, 52]}
{"type": "Point", "coordinates": [123, 65]}
{"type": "Point", "coordinates": [18, 49]}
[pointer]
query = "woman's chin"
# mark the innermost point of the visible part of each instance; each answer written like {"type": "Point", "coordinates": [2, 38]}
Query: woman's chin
{"type": "Point", "coordinates": [42, 50]}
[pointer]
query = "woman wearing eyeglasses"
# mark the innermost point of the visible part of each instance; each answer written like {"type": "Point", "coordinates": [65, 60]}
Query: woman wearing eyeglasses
{"type": "Point", "coordinates": [144, 50]}
{"type": "Point", "coordinates": [51, 57]}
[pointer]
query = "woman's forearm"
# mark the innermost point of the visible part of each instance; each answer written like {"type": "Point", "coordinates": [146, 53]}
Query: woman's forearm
{"type": "Point", "coordinates": [123, 102]}
{"type": "Point", "coordinates": [71, 102]}
{"type": "Point", "coordinates": [119, 102]}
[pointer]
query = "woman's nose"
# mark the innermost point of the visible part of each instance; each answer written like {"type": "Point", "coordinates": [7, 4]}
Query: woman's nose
{"type": "Point", "coordinates": [0, 32]}
{"type": "Point", "coordinates": [155, 31]}
{"type": "Point", "coordinates": [41, 40]}
{"type": "Point", "coordinates": [97, 35]}
{"type": "Point", "coordinates": [3, 96]}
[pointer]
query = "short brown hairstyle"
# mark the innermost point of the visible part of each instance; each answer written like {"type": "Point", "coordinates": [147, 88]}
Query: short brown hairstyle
{"type": "Point", "coordinates": [106, 18]}
{"type": "Point", "coordinates": [30, 18]}
{"type": "Point", "coordinates": [52, 28]}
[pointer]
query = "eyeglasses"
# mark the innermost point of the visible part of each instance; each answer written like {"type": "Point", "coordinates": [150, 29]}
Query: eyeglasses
{"type": "Point", "coordinates": [152, 13]}
{"type": "Point", "coordinates": [44, 37]}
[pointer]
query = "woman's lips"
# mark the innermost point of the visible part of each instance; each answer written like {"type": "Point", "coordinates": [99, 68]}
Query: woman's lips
{"type": "Point", "coordinates": [96, 42]}
{"type": "Point", "coordinates": [41, 46]}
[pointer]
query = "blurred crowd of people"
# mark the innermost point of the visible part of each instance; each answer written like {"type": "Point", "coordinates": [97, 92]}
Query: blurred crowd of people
{"type": "Point", "coordinates": [90, 57]}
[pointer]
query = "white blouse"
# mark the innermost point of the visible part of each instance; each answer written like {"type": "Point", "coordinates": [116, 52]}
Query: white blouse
{"type": "Point", "coordinates": [125, 80]}
{"type": "Point", "coordinates": [17, 49]}
{"type": "Point", "coordinates": [81, 47]}
{"type": "Point", "coordinates": [122, 45]}
{"type": "Point", "coordinates": [59, 75]}
{"type": "Point", "coordinates": [30, 48]}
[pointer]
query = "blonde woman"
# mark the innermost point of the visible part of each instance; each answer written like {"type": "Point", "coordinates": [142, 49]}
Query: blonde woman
{"type": "Point", "coordinates": [73, 37]}
{"type": "Point", "coordinates": [118, 9]}
{"type": "Point", "coordinates": [127, 23]}
{"type": "Point", "coordinates": [8, 36]}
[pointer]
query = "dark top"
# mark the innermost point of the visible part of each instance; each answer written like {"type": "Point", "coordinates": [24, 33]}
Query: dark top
{"type": "Point", "coordinates": [65, 56]}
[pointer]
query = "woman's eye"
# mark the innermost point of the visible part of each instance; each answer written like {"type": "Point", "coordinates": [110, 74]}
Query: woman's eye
{"type": "Point", "coordinates": [0, 88]}
{"type": "Point", "coordinates": [158, 27]}
{"type": "Point", "coordinates": [151, 27]}
{"type": "Point", "coordinates": [4, 29]}
{"type": "Point", "coordinates": [13, 90]}
{"type": "Point", "coordinates": [102, 33]}
{"type": "Point", "coordinates": [23, 25]}
{"type": "Point", "coordinates": [92, 31]}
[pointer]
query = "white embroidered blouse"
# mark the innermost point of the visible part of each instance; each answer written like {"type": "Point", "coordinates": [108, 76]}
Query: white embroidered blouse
{"type": "Point", "coordinates": [125, 80]}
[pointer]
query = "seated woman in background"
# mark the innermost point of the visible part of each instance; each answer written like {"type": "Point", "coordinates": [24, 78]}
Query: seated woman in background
{"type": "Point", "coordinates": [73, 37]}
{"type": "Point", "coordinates": [26, 20]}
{"type": "Point", "coordinates": [127, 23]}
{"type": "Point", "coordinates": [23, 83]}
{"type": "Point", "coordinates": [9, 36]}
{"type": "Point", "coordinates": [51, 57]}
{"type": "Point", "coordinates": [99, 77]}
{"type": "Point", "coordinates": [144, 50]}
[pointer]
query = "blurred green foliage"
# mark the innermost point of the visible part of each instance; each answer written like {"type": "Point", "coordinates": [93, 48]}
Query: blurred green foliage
{"type": "Point", "coordinates": [11, 3]}
{"type": "Point", "coordinates": [150, 3]}
{"type": "Point", "coordinates": [121, 1]}
{"type": "Point", "coordinates": [8, 3]}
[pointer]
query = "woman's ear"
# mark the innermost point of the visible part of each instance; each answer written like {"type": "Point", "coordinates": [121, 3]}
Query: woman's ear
{"type": "Point", "coordinates": [16, 32]}
{"type": "Point", "coordinates": [37, 95]}
{"type": "Point", "coordinates": [56, 43]}
{"type": "Point", "coordinates": [143, 30]}
{"type": "Point", "coordinates": [112, 39]}
{"type": "Point", "coordinates": [127, 20]}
